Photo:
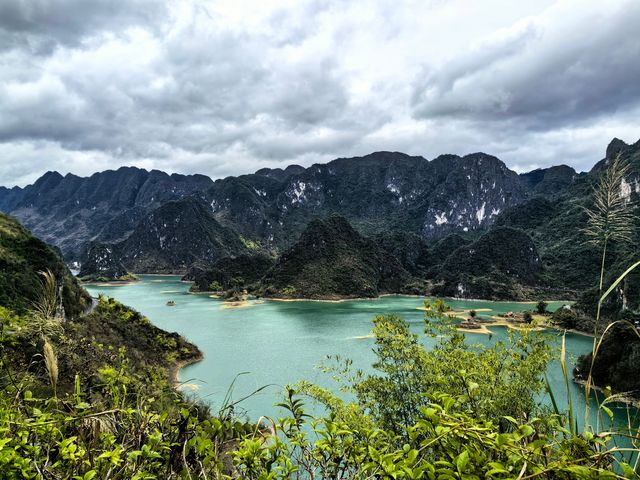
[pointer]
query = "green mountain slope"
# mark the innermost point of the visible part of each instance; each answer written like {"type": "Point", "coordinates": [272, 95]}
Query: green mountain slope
{"type": "Point", "coordinates": [229, 273]}
{"type": "Point", "coordinates": [502, 264]}
{"type": "Point", "coordinates": [569, 262]}
{"type": "Point", "coordinates": [170, 239]}
{"type": "Point", "coordinates": [22, 257]}
{"type": "Point", "coordinates": [331, 259]}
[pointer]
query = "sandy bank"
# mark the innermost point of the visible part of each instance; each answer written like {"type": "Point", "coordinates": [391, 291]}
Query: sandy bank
{"type": "Point", "coordinates": [174, 372]}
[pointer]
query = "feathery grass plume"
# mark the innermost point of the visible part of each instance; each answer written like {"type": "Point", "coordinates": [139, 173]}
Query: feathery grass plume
{"type": "Point", "coordinates": [47, 302]}
{"type": "Point", "coordinates": [610, 218]}
{"type": "Point", "coordinates": [51, 362]}
{"type": "Point", "coordinates": [44, 321]}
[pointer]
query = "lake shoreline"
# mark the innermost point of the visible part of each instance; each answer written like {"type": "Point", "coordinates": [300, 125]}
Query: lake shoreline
{"type": "Point", "coordinates": [178, 366]}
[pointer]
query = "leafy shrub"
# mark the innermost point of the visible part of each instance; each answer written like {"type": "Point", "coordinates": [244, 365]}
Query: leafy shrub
{"type": "Point", "coordinates": [541, 307]}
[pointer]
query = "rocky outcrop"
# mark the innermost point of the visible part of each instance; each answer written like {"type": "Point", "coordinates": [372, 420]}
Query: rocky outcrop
{"type": "Point", "coordinates": [383, 191]}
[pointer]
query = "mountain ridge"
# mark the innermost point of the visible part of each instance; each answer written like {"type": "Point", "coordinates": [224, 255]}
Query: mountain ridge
{"type": "Point", "coordinates": [428, 197]}
{"type": "Point", "coordinates": [380, 193]}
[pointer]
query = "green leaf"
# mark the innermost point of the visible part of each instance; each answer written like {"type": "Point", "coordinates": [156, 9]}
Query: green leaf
{"type": "Point", "coordinates": [462, 460]}
{"type": "Point", "coordinates": [526, 430]}
{"type": "Point", "coordinates": [607, 410]}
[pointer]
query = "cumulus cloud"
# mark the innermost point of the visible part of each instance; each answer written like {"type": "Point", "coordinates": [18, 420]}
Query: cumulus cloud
{"type": "Point", "coordinates": [230, 86]}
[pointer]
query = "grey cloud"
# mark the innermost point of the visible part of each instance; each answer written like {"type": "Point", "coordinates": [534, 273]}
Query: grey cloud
{"type": "Point", "coordinates": [201, 91]}
{"type": "Point", "coordinates": [41, 25]}
{"type": "Point", "coordinates": [186, 91]}
{"type": "Point", "coordinates": [548, 75]}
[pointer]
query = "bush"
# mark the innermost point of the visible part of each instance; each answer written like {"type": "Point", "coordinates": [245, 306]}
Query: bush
{"type": "Point", "coordinates": [565, 317]}
{"type": "Point", "coordinates": [289, 291]}
{"type": "Point", "coordinates": [542, 307]}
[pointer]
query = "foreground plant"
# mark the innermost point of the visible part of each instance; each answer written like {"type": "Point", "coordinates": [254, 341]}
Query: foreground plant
{"type": "Point", "coordinates": [610, 218]}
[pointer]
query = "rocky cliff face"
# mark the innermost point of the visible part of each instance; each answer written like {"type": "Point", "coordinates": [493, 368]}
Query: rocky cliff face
{"type": "Point", "coordinates": [70, 211]}
{"type": "Point", "coordinates": [379, 192]}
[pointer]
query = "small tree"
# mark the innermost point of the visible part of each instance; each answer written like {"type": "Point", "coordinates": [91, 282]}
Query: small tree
{"type": "Point", "coordinates": [215, 286]}
{"type": "Point", "coordinates": [542, 307]}
{"type": "Point", "coordinates": [527, 317]}
{"type": "Point", "coordinates": [472, 314]}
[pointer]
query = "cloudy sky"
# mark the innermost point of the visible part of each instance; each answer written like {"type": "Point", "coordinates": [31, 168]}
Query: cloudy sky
{"type": "Point", "coordinates": [227, 87]}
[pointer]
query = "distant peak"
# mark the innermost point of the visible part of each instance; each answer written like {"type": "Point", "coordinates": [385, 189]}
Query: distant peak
{"type": "Point", "coordinates": [383, 154]}
{"type": "Point", "coordinates": [50, 178]}
{"type": "Point", "coordinates": [476, 156]}
{"type": "Point", "coordinates": [615, 146]}
{"type": "Point", "coordinates": [52, 174]}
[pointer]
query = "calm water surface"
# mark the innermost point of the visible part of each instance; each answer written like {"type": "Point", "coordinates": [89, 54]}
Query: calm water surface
{"type": "Point", "coordinates": [283, 342]}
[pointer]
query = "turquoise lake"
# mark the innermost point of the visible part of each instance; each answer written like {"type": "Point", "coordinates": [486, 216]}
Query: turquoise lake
{"type": "Point", "coordinates": [279, 343]}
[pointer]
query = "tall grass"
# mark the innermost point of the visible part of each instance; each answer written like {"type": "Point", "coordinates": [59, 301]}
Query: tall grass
{"type": "Point", "coordinates": [610, 218]}
{"type": "Point", "coordinates": [597, 342]}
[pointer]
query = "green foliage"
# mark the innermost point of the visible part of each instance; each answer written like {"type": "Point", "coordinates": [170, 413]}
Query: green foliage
{"type": "Point", "coordinates": [566, 318]}
{"type": "Point", "coordinates": [85, 408]}
{"type": "Point", "coordinates": [250, 244]}
{"type": "Point", "coordinates": [289, 291]}
{"type": "Point", "coordinates": [22, 257]}
{"type": "Point", "coordinates": [215, 286]}
{"type": "Point", "coordinates": [541, 307]}
{"type": "Point", "coordinates": [124, 434]}
{"type": "Point", "coordinates": [527, 317]}
{"type": "Point", "coordinates": [443, 442]}
{"type": "Point", "coordinates": [489, 382]}
{"type": "Point", "coordinates": [420, 416]}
